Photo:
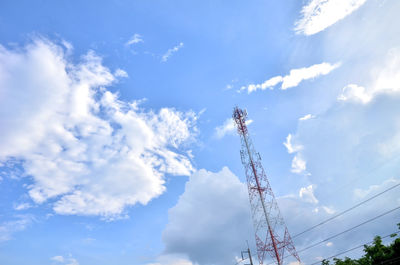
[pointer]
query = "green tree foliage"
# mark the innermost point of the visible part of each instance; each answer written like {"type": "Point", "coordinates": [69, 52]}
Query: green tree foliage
{"type": "Point", "coordinates": [375, 254]}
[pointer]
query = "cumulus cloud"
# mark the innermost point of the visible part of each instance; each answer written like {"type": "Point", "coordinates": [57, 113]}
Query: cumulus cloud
{"type": "Point", "coordinates": [318, 15]}
{"type": "Point", "coordinates": [353, 92]}
{"type": "Point", "coordinates": [136, 38]}
{"type": "Point", "coordinates": [83, 147]}
{"type": "Point", "coordinates": [294, 78]}
{"type": "Point", "coordinates": [171, 51]}
{"type": "Point", "coordinates": [212, 216]}
{"type": "Point", "coordinates": [386, 81]}
{"type": "Point", "coordinates": [227, 128]}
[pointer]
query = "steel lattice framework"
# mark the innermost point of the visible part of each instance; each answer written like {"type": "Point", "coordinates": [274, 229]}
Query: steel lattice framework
{"type": "Point", "coordinates": [272, 235]}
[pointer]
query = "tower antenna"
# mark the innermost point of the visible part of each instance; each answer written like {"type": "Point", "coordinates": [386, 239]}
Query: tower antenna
{"type": "Point", "coordinates": [272, 235]}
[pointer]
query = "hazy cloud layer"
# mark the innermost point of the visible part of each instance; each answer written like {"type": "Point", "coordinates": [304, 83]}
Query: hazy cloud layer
{"type": "Point", "coordinates": [136, 38]}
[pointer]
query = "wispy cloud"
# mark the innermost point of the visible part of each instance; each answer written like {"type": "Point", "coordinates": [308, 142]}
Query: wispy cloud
{"type": "Point", "coordinates": [22, 206]}
{"type": "Point", "coordinates": [291, 148]}
{"type": "Point", "coordinates": [318, 15]}
{"type": "Point", "coordinates": [294, 78]}
{"type": "Point", "coordinates": [307, 117]}
{"type": "Point", "coordinates": [136, 38]}
{"type": "Point", "coordinates": [18, 223]}
{"type": "Point", "coordinates": [171, 51]}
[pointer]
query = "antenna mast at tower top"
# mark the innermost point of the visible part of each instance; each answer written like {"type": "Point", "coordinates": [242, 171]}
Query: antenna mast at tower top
{"type": "Point", "coordinates": [272, 235]}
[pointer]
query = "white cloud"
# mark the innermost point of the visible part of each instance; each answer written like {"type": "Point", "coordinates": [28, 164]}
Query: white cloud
{"type": "Point", "coordinates": [87, 150]}
{"type": "Point", "coordinates": [294, 78]}
{"type": "Point", "coordinates": [298, 164]}
{"type": "Point", "coordinates": [355, 93]}
{"type": "Point", "coordinates": [212, 216]}
{"type": "Point", "coordinates": [318, 15]}
{"type": "Point", "coordinates": [227, 128]}
{"type": "Point", "coordinates": [291, 148]}
{"type": "Point", "coordinates": [270, 83]}
{"type": "Point", "coordinates": [386, 81]}
{"type": "Point", "coordinates": [120, 73]}
{"type": "Point", "coordinates": [297, 75]}
{"type": "Point", "coordinates": [306, 117]}
{"type": "Point", "coordinates": [171, 51]}
{"type": "Point", "coordinates": [307, 194]}
{"type": "Point", "coordinates": [136, 38]}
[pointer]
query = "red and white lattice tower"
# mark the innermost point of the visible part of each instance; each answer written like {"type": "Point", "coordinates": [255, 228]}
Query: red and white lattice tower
{"type": "Point", "coordinates": [272, 235]}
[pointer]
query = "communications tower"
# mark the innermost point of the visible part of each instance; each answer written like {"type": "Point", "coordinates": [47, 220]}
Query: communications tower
{"type": "Point", "coordinates": [272, 235]}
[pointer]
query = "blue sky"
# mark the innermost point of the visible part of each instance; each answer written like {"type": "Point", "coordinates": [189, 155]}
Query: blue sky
{"type": "Point", "coordinates": [116, 141]}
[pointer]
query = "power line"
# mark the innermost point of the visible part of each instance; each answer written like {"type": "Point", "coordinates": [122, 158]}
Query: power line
{"type": "Point", "coordinates": [345, 231]}
{"type": "Point", "coordinates": [345, 211]}
{"type": "Point", "coordinates": [348, 230]}
{"type": "Point", "coordinates": [354, 248]}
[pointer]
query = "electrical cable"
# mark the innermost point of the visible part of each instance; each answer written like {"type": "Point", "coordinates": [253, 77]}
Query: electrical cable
{"type": "Point", "coordinates": [348, 230]}
{"type": "Point", "coordinates": [345, 211]}
{"type": "Point", "coordinates": [354, 248]}
{"type": "Point", "coordinates": [345, 231]}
